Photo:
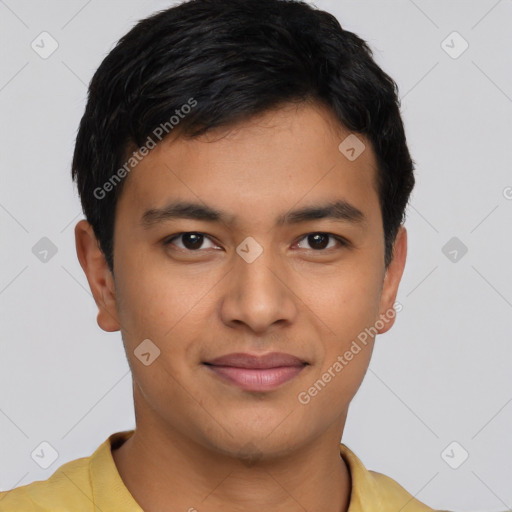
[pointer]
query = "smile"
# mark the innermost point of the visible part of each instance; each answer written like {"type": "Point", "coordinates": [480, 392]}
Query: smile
{"type": "Point", "coordinates": [256, 373]}
{"type": "Point", "coordinates": [257, 379]}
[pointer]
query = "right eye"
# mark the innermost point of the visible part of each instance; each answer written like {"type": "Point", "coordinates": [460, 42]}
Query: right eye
{"type": "Point", "coordinates": [190, 240]}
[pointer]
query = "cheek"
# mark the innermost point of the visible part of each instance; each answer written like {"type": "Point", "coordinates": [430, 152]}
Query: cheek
{"type": "Point", "coordinates": [349, 306]}
{"type": "Point", "coordinates": [345, 301]}
{"type": "Point", "coordinates": [349, 311]}
{"type": "Point", "coordinates": [160, 303]}
{"type": "Point", "coordinates": [330, 393]}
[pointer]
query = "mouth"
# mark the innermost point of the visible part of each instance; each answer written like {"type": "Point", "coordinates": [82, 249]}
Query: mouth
{"type": "Point", "coordinates": [256, 373]}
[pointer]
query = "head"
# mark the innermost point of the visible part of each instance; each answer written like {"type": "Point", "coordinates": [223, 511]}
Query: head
{"type": "Point", "coordinates": [207, 128]}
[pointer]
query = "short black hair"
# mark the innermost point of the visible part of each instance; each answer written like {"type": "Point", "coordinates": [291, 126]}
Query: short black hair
{"type": "Point", "coordinates": [221, 62]}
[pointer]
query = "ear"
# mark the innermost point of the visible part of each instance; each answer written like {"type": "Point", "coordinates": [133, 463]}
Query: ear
{"type": "Point", "coordinates": [101, 281]}
{"type": "Point", "coordinates": [392, 280]}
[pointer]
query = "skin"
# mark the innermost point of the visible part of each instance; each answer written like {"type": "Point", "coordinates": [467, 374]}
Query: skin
{"type": "Point", "coordinates": [202, 442]}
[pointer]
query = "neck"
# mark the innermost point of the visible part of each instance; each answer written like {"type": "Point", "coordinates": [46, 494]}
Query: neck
{"type": "Point", "coordinates": [166, 470]}
{"type": "Point", "coordinates": [164, 478]}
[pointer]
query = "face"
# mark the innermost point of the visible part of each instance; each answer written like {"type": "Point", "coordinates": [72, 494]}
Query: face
{"type": "Point", "coordinates": [260, 265]}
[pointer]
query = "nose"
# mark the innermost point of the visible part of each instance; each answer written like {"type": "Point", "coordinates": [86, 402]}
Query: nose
{"type": "Point", "coordinates": [259, 295]}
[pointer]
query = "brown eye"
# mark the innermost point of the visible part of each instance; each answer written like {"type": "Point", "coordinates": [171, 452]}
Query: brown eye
{"type": "Point", "coordinates": [190, 241]}
{"type": "Point", "coordinates": [320, 241]}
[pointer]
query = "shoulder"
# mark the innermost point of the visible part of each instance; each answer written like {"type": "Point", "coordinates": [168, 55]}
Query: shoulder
{"type": "Point", "coordinates": [394, 490]}
{"type": "Point", "coordinates": [372, 490]}
{"type": "Point", "coordinates": [390, 491]}
{"type": "Point", "coordinates": [69, 486]}
{"type": "Point", "coordinates": [81, 485]}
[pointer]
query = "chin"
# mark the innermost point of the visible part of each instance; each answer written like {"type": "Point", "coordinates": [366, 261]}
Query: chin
{"type": "Point", "coordinates": [251, 443]}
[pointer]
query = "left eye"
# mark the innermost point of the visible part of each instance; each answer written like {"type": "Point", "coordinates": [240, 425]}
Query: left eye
{"type": "Point", "coordinates": [320, 241]}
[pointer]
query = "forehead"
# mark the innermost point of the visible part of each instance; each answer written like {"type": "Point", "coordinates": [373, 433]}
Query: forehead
{"type": "Point", "coordinates": [294, 155]}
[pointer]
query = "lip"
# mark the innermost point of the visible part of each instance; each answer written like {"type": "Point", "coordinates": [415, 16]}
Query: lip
{"type": "Point", "coordinates": [257, 373]}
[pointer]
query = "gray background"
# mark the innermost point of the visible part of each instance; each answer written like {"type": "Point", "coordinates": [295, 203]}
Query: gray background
{"type": "Point", "coordinates": [443, 372]}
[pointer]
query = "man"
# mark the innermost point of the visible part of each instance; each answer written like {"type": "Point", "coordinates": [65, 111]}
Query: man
{"type": "Point", "coordinates": [244, 173]}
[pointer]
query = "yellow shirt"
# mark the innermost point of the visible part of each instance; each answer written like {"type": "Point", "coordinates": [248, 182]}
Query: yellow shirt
{"type": "Point", "coordinates": [93, 484]}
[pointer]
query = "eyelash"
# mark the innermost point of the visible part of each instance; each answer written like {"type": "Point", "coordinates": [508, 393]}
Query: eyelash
{"type": "Point", "coordinates": [342, 241]}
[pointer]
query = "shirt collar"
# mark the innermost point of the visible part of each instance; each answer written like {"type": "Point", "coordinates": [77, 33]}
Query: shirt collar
{"type": "Point", "coordinates": [108, 489]}
{"type": "Point", "coordinates": [364, 491]}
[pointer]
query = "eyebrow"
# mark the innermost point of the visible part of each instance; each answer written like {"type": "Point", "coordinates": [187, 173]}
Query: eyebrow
{"type": "Point", "coordinates": [339, 210]}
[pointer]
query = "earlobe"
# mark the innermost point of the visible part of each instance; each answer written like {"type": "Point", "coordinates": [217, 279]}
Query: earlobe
{"type": "Point", "coordinates": [392, 280]}
{"type": "Point", "coordinates": [99, 277]}
{"type": "Point", "coordinates": [107, 317]}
